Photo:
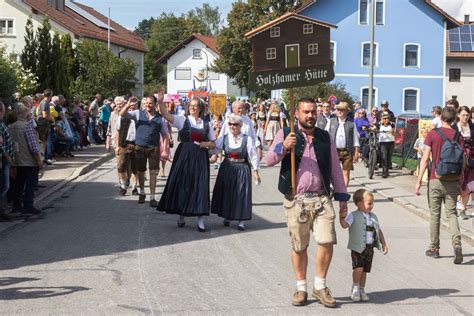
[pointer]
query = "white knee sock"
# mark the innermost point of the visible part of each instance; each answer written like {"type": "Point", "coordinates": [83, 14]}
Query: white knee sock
{"type": "Point", "coordinates": [201, 221]}
{"type": "Point", "coordinates": [319, 283]}
{"type": "Point", "coordinates": [301, 286]}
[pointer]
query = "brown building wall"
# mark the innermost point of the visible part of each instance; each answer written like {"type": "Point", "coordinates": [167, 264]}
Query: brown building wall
{"type": "Point", "coordinates": [291, 32]}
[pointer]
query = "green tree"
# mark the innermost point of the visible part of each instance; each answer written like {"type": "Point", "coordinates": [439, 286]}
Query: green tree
{"type": "Point", "coordinates": [69, 66]}
{"type": "Point", "coordinates": [56, 68]}
{"type": "Point", "coordinates": [210, 16]}
{"type": "Point", "coordinates": [143, 28]}
{"type": "Point", "coordinates": [322, 90]}
{"type": "Point", "coordinates": [8, 80]}
{"type": "Point", "coordinates": [28, 55]}
{"type": "Point", "coordinates": [100, 71]}
{"type": "Point", "coordinates": [234, 47]}
{"type": "Point", "coordinates": [44, 56]}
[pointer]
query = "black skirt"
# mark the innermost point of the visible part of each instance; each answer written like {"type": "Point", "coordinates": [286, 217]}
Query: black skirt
{"type": "Point", "coordinates": [187, 189]}
{"type": "Point", "coordinates": [232, 195]}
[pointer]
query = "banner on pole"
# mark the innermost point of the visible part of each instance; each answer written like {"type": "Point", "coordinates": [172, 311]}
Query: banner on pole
{"type": "Point", "coordinates": [217, 103]}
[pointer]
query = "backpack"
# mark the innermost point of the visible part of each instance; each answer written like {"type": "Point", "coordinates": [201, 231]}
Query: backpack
{"type": "Point", "coordinates": [450, 159]}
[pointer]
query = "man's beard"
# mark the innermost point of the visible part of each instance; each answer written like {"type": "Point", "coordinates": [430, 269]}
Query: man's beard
{"type": "Point", "coordinates": [308, 125]}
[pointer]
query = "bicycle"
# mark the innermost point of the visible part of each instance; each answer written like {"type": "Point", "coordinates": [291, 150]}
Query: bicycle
{"type": "Point", "coordinates": [373, 143]}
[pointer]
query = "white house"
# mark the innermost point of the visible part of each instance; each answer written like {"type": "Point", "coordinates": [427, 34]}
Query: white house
{"type": "Point", "coordinates": [188, 67]}
{"type": "Point", "coordinates": [67, 16]}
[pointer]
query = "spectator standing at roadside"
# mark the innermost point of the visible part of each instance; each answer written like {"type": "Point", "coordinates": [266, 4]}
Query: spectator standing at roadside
{"type": "Point", "coordinates": [362, 123]}
{"type": "Point", "coordinates": [27, 161]}
{"type": "Point", "coordinates": [439, 189]}
{"type": "Point", "coordinates": [436, 122]}
{"type": "Point", "coordinates": [372, 118]}
{"type": "Point", "coordinates": [387, 143]}
{"type": "Point", "coordinates": [93, 113]}
{"type": "Point", "coordinates": [466, 128]}
{"type": "Point", "coordinates": [105, 112]}
{"type": "Point", "coordinates": [44, 118]}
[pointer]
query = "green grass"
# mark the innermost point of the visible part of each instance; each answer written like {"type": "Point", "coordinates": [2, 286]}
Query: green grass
{"type": "Point", "coordinates": [410, 163]}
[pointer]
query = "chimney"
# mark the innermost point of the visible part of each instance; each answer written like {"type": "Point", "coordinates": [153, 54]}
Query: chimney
{"type": "Point", "coordinates": [57, 4]}
{"type": "Point", "coordinates": [466, 19]}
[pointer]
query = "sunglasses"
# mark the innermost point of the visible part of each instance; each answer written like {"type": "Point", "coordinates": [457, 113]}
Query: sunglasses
{"type": "Point", "coordinates": [234, 124]}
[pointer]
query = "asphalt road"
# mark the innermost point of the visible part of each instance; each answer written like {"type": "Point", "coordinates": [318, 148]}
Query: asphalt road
{"type": "Point", "coordinates": [96, 252]}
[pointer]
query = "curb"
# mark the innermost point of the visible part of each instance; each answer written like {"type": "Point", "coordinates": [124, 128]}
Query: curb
{"type": "Point", "coordinates": [467, 236]}
{"type": "Point", "coordinates": [42, 199]}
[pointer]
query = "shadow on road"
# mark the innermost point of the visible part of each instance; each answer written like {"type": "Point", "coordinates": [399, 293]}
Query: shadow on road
{"type": "Point", "coordinates": [10, 281]}
{"type": "Point", "coordinates": [25, 293]}
{"type": "Point", "coordinates": [398, 295]}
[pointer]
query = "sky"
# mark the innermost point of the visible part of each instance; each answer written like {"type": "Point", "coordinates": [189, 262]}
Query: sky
{"type": "Point", "coordinates": [130, 12]}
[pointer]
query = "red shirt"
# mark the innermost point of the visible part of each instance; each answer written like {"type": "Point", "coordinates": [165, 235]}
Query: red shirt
{"type": "Point", "coordinates": [435, 142]}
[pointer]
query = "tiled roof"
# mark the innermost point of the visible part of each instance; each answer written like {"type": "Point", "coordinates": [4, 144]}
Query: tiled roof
{"type": "Point", "coordinates": [82, 27]}
{"type": "Point", "coordinates": [283, 18]}
{"type": "Point", "coordinates": [452, 22]}
{"type": "Point", "coordinates": [209, 41]}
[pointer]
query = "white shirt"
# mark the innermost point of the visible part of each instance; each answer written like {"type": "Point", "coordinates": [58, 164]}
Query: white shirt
{"type": "Point", "coordinates": [236, 143]}
{"type": "Point", "coordinates": [466, 133]}
{"type": "Point", "coordinates": [198, 123]}
{"type": "Point", "coordinates": [368, 221]}
{"type": "Point", "coordinates": [247, 129]}
{"type": "Point", "coordinates": [341, 135]}
{"type": "Point", "coordinates": [132, 131]}
{"type": "Point", "coordinates": [386, 137]}
{"type": "Point", "coordinates": [437, 121]}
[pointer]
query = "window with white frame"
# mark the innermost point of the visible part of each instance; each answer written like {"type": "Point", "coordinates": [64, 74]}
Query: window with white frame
{"type": "Point", "coordinates": [333, 51]}
{"type": "Point", "coordinates": [365, 96]}
{"type": "Point", "coordinates": [307, 28]}
{"type": "Point", "coordinates": [380, 12]}
{"type": "Point", "coordinates": [412, 55]}
{"type": "Point", "coordinates": [271, 53]}
{"type": "Point", "coordinates": [410, 99]}
{"type": "Point", "coordinates": [275, 31]}
{"type": "Point", "coordinates": [6, 26]}
{"type": "Point", "coordinates": [182, 74]}
{"type": "Point", "coordinates": [363, 11]}
{"type": "Point", "coordinates": [197, 54]}
{"type": "Point", "coordinates": [366, 54]}
{"type": "Point", "coordinates": [313, 49]}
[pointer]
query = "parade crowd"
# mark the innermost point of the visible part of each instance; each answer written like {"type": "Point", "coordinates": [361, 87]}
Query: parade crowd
{"type": "Point", "coordinates": [328, 139]}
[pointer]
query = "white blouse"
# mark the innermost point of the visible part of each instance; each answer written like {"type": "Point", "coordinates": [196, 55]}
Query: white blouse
{"type": "Point", "coordinates": [236, 143]}
{"type": "Point", "coordinates": [385, 136]}
{"type": "Point", "coordinates": [198, 123]}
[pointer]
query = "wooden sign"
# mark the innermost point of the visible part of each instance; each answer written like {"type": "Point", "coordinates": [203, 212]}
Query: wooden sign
{"type": "Point", "coordinates": [291, 78]}
{"type": "Point", "coordinates": [217, 103]}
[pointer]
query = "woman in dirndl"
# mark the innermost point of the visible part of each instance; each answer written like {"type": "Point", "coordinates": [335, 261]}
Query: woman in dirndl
{"type": "Point", "coordinates": [232, 195]}
{"type": "Point", "coordinates": [466, 128]}
{"type": "Point", "coordinates": [274, 123]}
{"type": "Point", "coordinates": [187, 189]}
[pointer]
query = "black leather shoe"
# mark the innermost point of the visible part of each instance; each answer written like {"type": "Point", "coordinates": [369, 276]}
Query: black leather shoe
{"type": "Point", "coordinates": [181, 224]}
{"type": "Point", "coordinates": [201, 230]}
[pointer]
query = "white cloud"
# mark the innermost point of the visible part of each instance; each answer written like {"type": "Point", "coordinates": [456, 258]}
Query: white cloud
{"type": "Point", "coordinates": [457, 8]}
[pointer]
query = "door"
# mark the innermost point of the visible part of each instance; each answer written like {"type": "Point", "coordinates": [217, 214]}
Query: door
{"type": "Point", "coordinates": [292, 56]}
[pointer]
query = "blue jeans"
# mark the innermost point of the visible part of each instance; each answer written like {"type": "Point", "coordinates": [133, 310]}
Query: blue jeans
{"type": "Point", "coordinates": [4, 180]}
{"type": "Point", "coordinates": [68, 142]}
{"type": "Point", "coordinates": [90, 130]}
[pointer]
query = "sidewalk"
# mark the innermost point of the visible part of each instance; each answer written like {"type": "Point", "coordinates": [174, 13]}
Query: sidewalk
{"type": "Point", "coordinates": [400, 188]}
{"type": "Point", "coordinates": [56, 176]}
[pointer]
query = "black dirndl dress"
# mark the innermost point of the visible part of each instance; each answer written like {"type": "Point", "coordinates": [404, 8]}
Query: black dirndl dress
{"type": "Point", "coordinates": [187, 189]}
{"type": "Point", "coordinates": [232, 195]}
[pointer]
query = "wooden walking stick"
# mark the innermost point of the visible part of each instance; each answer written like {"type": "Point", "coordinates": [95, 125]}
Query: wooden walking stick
{"type": "Point", "coordinates": [292, 130]}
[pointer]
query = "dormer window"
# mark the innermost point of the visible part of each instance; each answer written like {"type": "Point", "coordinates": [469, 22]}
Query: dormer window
{"type": "Point", "coordinates": [307, 28]}
{"type": "Point", "coordinates": [313, 49]}
{"type": "Point", "coordinates": [271, 53]}
{"type": "Point", "coordinates": [275, 31]}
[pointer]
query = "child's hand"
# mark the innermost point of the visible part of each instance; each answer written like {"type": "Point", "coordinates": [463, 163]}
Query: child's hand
{"type": "Point", "coordinates": [343, 222]}
{"type": "Point", "coordinates": [384, 249]}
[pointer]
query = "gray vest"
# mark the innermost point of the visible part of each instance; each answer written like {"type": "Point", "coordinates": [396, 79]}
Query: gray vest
{"type": "Point", "coordinates": [322, 121]}
{"type": "Point", "coordinates": [348, 131]}
{"type": "Point", "coordinates": [22, 156]}
{"type": "Point", "coordinates": [358, 232]}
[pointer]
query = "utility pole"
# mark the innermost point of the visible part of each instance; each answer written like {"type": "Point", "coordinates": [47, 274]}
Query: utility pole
{"type": "Point", "coordinates": [371, 75]}
{"type": "Point", "coordinates": [108, 31]}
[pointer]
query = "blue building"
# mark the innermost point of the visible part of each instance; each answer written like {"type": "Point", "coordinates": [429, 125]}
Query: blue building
{"type": "Point", "coordinates": [410, 50]}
